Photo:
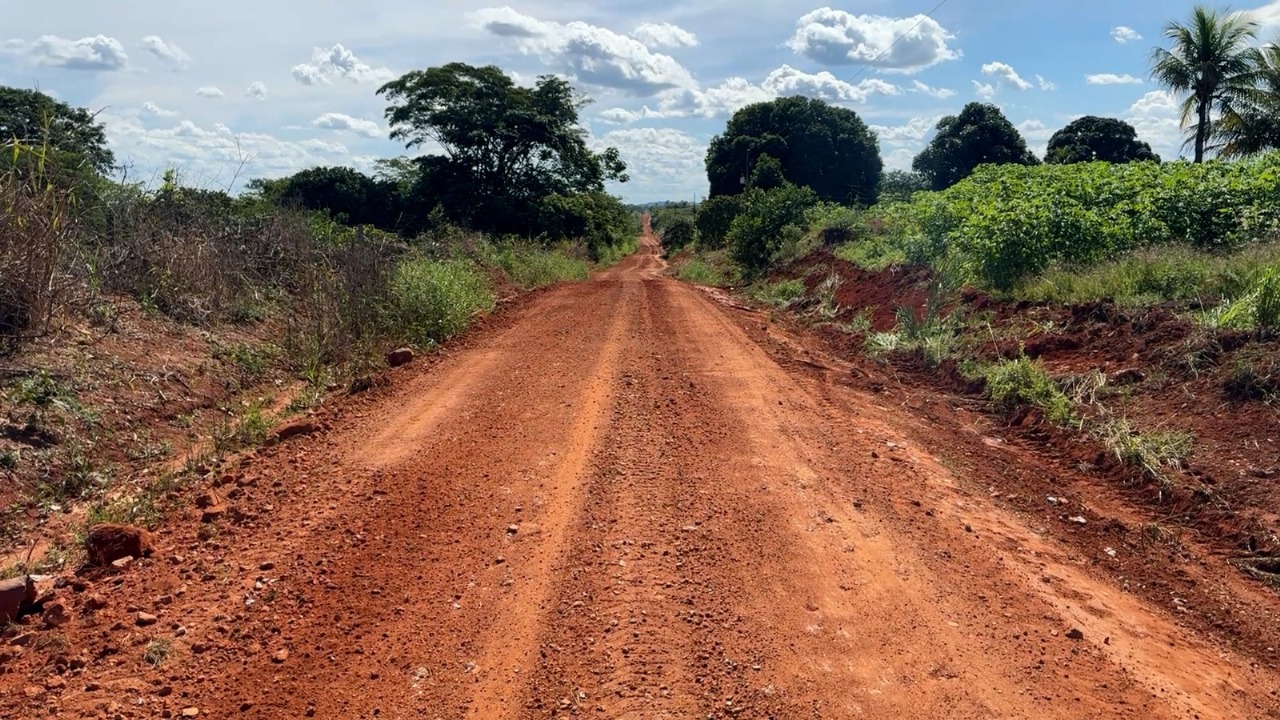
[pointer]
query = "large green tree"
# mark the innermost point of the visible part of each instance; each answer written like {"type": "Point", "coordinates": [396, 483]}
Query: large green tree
{"type": "Point", "coordinates": [1212, 63]}
{"type": "Point", "coordinates": [1093, 138]}
{"type": "Point", "coordinates": [33, 118]}
{"type": "Point", "coordinates": [827, 149]}
{"type": "Point", "coordinates": [348, 195]}
{"type": "Point", "coordinates": [979, 135]}
{"type": "Point", "coordinates": [505, 147]}
{"type": "Point", "coordinates": [1252, 124]}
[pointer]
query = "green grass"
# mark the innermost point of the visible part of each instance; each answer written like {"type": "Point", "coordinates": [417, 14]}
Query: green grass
{"type": "Point", "coordinates": [432, 300]}
{"type": "Point", "coordinates": [709, 268]}
{"type": "Point", "coordinates": [533, 267]}
{"type": "Point", "coordinates": [248, 429]}
{"type": "Point", "coordinates": [608, 255]}
{"type": "Point", "coordinates": [873, 253]}
{"type": "Point", "coordinates": [1012, 384]}
{"type": "Point", "coordinates": [1152, 275]}
{"type": "Point", "coordinates": [1156, 452]}
{"type": "Point", "coordinates": [781, 294]}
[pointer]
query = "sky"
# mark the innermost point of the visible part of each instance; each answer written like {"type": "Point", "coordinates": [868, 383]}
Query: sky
{"type": "Point", "coordinates": [228, 91]}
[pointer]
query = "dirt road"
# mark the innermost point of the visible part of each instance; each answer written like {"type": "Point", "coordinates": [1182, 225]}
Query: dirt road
{"type": "Point", "coordinates": [617, 505]}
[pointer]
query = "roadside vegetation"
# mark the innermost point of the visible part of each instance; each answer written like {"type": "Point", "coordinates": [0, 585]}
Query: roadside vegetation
{"type": "Point", "coordinates": [216, 317]}
{"type": "Point", "coordinates": [1001, 273]}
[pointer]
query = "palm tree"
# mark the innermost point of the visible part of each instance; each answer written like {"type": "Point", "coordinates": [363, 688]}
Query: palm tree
{"type": "Point", "coordinates": [1211, 61]}
{"type": "Point", "coordinates": [1253, 124]}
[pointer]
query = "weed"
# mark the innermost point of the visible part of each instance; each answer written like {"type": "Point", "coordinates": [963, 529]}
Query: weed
{"type": "Point", "coordinates": [781, 294]}
{"type": "Point", "coordinates": [1249, 383]}
{"type": "Point", "coordinates": [826, 307]}
{"type": "Point", "coordinates": [157, 651]}
{"type": "Point", "coordinates": [432, 300]}
{"type": "Point", "coordinates": [1012, 384]}
{"type": "Point", "coordinates": [10, 458]}
{"type": "Point", "coordinates": [40, 390]}
{"type": "Point", "coordinates": [248, 429]}
{"type": "Point", "coordinates": [1156, 453]}
{"type": "Point", "coordinates": [530, 266]}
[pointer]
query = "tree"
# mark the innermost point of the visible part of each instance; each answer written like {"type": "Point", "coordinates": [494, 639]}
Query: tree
{"type": "Point", "coordinates": [1093, 138]}
{"type": "Point", "coordinates": [979, 135]}
{"type": "Point", "coordinates": [505, 147]}
{"type": "Point", "coordinates": [1211, 62]}
{"type": "Point", "coordinates": [824, 148]}
{"type": "Point", "coordinates": [1253, 124]}
{"type": "Point", "coordinates": [766, 220]}
{"type": "Point", "coordinates": [32, 118]}
{"type": "Point", "coordinates": [900, 185]}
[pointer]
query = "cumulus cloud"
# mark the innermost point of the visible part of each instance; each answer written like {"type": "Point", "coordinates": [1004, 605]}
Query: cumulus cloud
{"type": "Point", "coordinates": [1037, 135]}
{"type": "Point", "coordinates": [211, 156]}
{"type": "Point", "coordinates": [1006, 73]}
{"type": "Point", "coordinates": [153, 109]}
{"type": "Point", "coordinates": [664, 35]}
{"type": "Point", "coordinates": [88, 53]}
{"type": "Point", "coordinates": [663, 162]}
{"type": "Point", "coordinates": [940, 93]}
{"type": "Point", "coordinates": [338, 62]}
{"type": "Point", "coordinates": [735, 93]}
{"type": "Point", "coordinates": [587, 53]}
{"type": "Point", "coordinates": [1157, 118]}
{"type": "Point", "coordinates": [330, 148]}
{"type": "Point", "coordinates": [899, 159]}
{"type": "Point", "coordinates": [167, 53]}
{"type": "Point", "coordinates": [836, 37]}
{"type": "Point", "coordinates": [1122, 34]}
{"type": "Point", "coordinates": [985, 91]}
{"type": "Point", "coordinates": [1045, 85]}
{"type": "Point", "coordinates": [1112, 79]}
{"type": "Point", "coordinates": [346, 123]}
{"type": "Point", "coordinates": [210, 92]}
{"type": "Point", "coordinates": [912, 133]}
{"type": "Point", "coordinates": [257, 91]}
{"type": "Point", "coordinates": [1268, 17]}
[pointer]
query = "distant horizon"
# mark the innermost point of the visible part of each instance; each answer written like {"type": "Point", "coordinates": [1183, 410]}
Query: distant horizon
{"type": "Point", "coordinates": [223, 95]}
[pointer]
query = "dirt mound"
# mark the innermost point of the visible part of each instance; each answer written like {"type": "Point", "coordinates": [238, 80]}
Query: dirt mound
{"type": "Point", "coordinates": [104, 544]}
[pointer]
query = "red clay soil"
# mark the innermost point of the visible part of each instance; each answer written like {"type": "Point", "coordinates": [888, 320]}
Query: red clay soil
{"type": "Point", "coordinates": [627, 499]}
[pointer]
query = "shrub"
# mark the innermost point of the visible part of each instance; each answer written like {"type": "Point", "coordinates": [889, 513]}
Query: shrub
{"type": "Point", "coordinates": [432, 300]}
{"type": "Point", "coordinates": [715, 216]}
{"type": "Point", "coordinates": [767, 218]}
{"type": "Point", "coordinates": [532, 267]}
{"type": "Point", "coordinates": [1012, 384]}
{"type": "Point", "coordinates": [679, 233]}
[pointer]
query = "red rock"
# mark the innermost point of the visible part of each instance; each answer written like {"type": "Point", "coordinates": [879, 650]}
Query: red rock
{"type": "Point", "coordinates": [16, 595]}
{"type": "Point", "coordinates": [56, 614]}
{"type": "Point", "coordinates": [207, 499]}
{"type": "Point", "coordinates": [107, 543]}
{"type": "Point", "coordinates": [297, 428]}
{"type": "Point", "coordinates": [213, 513]}
{"type": "Point", "coordinates": [145, 619]}
{"type": "Point", "coordinates": [399, 357]}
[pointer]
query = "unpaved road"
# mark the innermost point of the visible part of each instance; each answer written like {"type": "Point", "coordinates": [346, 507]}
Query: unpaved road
{"type": "Point", "coordinates": [617, 505]}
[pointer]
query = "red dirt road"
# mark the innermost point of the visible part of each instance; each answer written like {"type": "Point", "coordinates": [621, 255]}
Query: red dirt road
{"type": "Point", "coordinates": [617, 505]}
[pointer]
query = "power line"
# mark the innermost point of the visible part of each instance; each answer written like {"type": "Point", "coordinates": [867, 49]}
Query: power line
{"type": "Point", "coordinates": [900, 38]}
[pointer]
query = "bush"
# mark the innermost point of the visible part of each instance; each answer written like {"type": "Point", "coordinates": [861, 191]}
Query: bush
{"type": "Point", "coordinates": [432, 300]}
{"type": "Point", "coordinates": [768, 219]}
{"type": "Point", "coordinates": [1009, 223]}
{"type": "Point", "coordinates": [715, 216]}
{"type": "Point", "coordinates": [1012, 384]}
{"type": "Point", "coordinates": [678, 234]}
{"type": "Point", "coordinates": [533, 267]}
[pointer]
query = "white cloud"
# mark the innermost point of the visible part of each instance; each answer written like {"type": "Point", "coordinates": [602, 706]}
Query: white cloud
{"type": "Point", "coordinates": [338, 62]}
{"type": "Point", "coordinates": [736, 93]}
{"type": "Point", "coordinates": [1268, 17]}
{"type": "Point", "coordinates": [1157, 119]}
{"type": "Point", "coordinates": [912, 133]}
{"type": "Point", "coordinates": [88, 53]}
{"type": "Point", "coordinates": [1112, 79]}
{"type": "Point", "coordinates": [1037, 135]}
{"type": "Point", "coordinates": [1007, 73]}
{"type": "Point", "coordinates": [665, 162]}
{"type": "Point", "coordinates": [330, 148]}
{"type": "Point", "coordinates": [1122, 34]}
{"type": "Point", "coordinates": [153, 109]}
{"type": "Point", "coordinates": [214, 157]}
{"type": "Point", "coordinates": [899, 159]}
{"type": "Point", "coordinates": [210, 92]}
{"type": "Point", "coordinates": [167, 53]}
{"type": "Point", "coordinates": [257, 91]}
{"type": "Point", "coordinates": [940, 93]}
{"type": "Point", "coordinates": [343, 122]}
{"type": "Point", "coordinates": [1046, 85]}
{"type": "Point", "coordinates": [590, 54]}
{"type": "Point", "coordinates": [836, 37]}
{"type": "Point", "coordinates": [664, 35]}
{"type": "Point", "coordinates": [984, 91]}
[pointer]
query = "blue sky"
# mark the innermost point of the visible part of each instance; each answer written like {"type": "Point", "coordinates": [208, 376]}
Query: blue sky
{"type": "Point", "coordinates": [233, 90]}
